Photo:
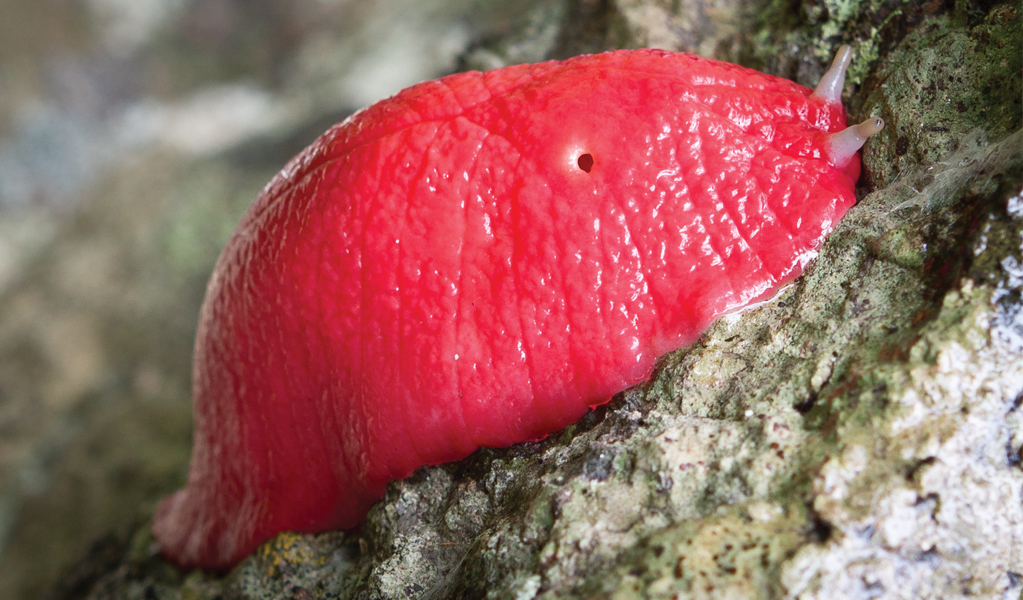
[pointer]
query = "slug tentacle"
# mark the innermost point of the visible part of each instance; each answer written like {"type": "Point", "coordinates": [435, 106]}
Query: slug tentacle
{"type": "Point", "coordinates": [843, 145]}
{"type": "Point", "coordinates": [830, 87]}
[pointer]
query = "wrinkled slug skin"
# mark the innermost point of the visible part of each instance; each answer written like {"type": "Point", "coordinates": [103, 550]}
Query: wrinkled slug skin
{"type": "Point", "coordinates": [438, 273]}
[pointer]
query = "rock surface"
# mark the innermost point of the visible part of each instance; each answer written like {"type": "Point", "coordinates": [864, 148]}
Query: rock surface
{"type": "Point", "coordinates": [858, 436]}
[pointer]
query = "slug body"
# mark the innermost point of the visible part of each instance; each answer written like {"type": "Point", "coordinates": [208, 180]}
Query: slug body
{"type": "Point", "coordinates": [475, 262]}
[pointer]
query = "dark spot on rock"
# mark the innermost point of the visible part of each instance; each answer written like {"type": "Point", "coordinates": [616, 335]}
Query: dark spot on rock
{"type": "Point", "coordinates": [413, 589]}
{"type": "Point", "coordinates": [678, 572]}
{"type": "Point", "coordinates": [658, 551]}
{"type": "Point", "coordinates": [820, 530]}
{"type": "Point", "coordinates": [598, 467]}
{"type": "Point", "coordinates": [806, 404]}
{"type": "Point", "coordinates": [901, 146]}
{"type": "Point", "coordinates": [915, 467]}
{"type": "Point", "coordinates": [637, 571]}
{"type": "Point", "coordinates": [593, 417]}
{"type": "Point", "coordinates": [1014, 579]}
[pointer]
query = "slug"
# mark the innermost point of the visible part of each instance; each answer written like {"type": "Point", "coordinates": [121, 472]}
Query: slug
{"type": "Point", "coordinates": [478, 260]}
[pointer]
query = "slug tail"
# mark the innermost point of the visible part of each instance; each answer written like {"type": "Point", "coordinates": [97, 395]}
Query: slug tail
{"type": "Point", "coordinates": [187, 537]}
{"type": "Point", "coordinates": [171, 531]}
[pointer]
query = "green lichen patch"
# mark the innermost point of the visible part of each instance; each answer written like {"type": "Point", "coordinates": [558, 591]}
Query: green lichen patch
{"type": "Point", "coordinates": [733, 554]}
{"type": "Point", "coordinates": [945, 83]}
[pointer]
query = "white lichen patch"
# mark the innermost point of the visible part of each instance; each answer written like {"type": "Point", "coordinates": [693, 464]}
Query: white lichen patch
{"type": "Point", "coordinates": [772, 455]}
{"type": "Point", "coordinates": [951, 524]}
{"type": "Point", "coordinates": [719, 557]}
{"type": "Point", "coordinates": [694, 451]}
{"type": "Point", "coordinates": [595, 519]}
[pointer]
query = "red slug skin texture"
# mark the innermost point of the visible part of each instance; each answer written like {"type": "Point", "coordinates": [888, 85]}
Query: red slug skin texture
{"type": "Point", "coordinates": [442, 272]}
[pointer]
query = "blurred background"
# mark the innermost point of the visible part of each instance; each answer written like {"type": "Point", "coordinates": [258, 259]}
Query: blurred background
{"type": "Point", "coordinates": [133, 134]}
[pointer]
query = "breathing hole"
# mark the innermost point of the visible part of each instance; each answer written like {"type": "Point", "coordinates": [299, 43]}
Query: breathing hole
{"type": "Point", "coordinates": [586, 162]}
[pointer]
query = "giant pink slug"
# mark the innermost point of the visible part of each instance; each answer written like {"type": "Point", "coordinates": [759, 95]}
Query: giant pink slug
{"type": "Point", "coordinates": [478, 260]}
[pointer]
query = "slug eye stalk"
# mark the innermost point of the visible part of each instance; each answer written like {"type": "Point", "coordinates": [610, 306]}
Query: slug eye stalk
{"type": "Point", "coordinates": [829, 89]}
{"type": "Point", "coordinates": [843, 145]}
